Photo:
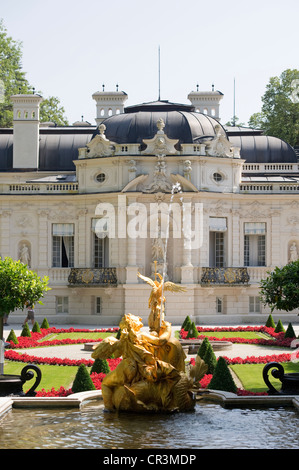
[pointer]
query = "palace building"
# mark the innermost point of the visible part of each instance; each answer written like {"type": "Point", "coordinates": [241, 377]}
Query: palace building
{"type": "Point", "coordinates": [90, 206]}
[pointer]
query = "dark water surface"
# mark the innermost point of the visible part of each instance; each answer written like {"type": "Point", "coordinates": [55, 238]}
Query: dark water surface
{"type": "Point", "coordinates": [209, 426]}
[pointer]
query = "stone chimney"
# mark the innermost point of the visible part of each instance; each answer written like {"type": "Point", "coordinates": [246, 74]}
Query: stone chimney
{"type": "Point", "coordinates": [109, 103]}
{"type": "Point", "coordinates": [26, 130]}
{"type": "Point", "coordinates": [206, 102]}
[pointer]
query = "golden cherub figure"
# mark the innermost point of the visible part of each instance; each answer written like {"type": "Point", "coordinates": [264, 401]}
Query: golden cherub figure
{"type": "Point", "coordinates": [157, 300]}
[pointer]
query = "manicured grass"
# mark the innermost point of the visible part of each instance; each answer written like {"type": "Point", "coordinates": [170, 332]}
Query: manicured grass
{"type": "Point", "coordinates": [234, 334]}
{"type": "Point", "coordinates": [52, 376]}
{"type": "Point", "coordinates": [251, 375]}
{"type": "Point", "coordinates": [230, 334]}
{"type": "Point", "coordinates": [77, 335]}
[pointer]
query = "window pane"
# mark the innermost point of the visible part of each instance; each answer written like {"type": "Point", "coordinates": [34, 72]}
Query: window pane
{"type": "Point", "coordinates": [61, 230]}
{"type": "Point", "coordinates": [63, 252]}
{"type": "Point", "coordinates": [98, 252]}
{"type": "Point", "coordinates": [254, 250]}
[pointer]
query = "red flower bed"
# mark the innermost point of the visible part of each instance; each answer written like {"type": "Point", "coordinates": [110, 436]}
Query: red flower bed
{"type": "Point", "coordinates": [34, 340]}
{"type": "Point", "coordinates": [27, 342]}
{"type": "Point", "coordinates": [95, 377]}
{"type": "Point", "coordinates": [278, 338]}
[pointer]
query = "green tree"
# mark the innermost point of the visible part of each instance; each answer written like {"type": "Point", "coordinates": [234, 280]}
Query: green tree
{"type": "Point", "coordinates": [234, 122]}
{"type": "Point", "coordinates": [51, 110]}
{"type": "Point", "coordinates": [280, 290]}
{"type": "Point", "coordinates": [13, 81]}
{"type": "Point", "coordinates": [12, 78]}
{"type": "Point", "coordinates": [18, 285]}
{"type": "Point", "coordinates": [279, 115]}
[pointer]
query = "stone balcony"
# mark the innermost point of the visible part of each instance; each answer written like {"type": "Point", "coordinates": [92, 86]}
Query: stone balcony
{"type": "Point", "coordinates": [224, 276]}
{"type": "Point", "coordinates": [92, 277]}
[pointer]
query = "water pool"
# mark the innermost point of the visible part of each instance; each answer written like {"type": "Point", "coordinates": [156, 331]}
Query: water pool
{"type": "Point", "coordinates": [209, 426]}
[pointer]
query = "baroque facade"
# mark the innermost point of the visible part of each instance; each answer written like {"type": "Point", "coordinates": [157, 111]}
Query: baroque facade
{"type": "Point", "coordinates": [91, 206]}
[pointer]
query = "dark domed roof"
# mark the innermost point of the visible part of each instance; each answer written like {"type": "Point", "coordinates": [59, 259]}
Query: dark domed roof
{"type": "Point", "coordinates": [263, 149]}
{"type": "Point", "coordinates": [140, 122]}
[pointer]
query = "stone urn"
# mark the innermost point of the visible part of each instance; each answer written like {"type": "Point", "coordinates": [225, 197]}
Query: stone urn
{"type": "Point", "coordinates": [289, 382]}
{"type": "Point", "coordinates": [13, 384]}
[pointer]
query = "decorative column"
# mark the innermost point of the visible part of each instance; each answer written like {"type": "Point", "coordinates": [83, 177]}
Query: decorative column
{"type": "Point", "coordinates": [131, 267]}
{"type": "Point", "coordinates": [187, 267]}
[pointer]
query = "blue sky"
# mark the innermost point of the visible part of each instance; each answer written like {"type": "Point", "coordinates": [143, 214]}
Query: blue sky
{"type": "Point", "coordinates": [70, 48]}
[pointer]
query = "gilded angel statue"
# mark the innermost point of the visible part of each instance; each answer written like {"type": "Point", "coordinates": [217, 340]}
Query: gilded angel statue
{"type": "Point", "coordinates": [157, 299]}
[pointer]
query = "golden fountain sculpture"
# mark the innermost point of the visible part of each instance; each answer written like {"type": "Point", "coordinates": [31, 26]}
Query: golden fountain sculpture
{"type": "Point", "coordinates": [151, 376]}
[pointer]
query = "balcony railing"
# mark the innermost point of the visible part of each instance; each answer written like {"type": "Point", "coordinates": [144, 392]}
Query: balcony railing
{"type": "Point", "coordinates": [226, 276]}
{"type": "Point", "coordinates": [92, 277]}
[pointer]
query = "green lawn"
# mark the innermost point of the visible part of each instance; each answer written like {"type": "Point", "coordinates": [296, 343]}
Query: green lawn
{"type": "Point", "coordinates": [77, 335]}
{"type": "Point", "coordinates": [231, 334]}
{"type": "Point", "coordinates": [56, 376]}
{"type": "Point", "coordinates": [52, 376]}
{"type": "Point", "coordinates": [251, 375]}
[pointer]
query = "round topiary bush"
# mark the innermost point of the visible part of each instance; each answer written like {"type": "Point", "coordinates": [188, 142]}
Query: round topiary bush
{"type": "Point", "coordinates": [82, 381]}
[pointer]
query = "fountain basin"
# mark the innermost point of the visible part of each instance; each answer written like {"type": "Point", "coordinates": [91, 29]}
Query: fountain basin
{"type": "Point", "coordinates": [194, 345]}
{"type": "Point", "coordinates": [79, 421]}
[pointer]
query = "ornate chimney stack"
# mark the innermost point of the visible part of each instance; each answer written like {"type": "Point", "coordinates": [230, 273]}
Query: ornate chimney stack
{"type": "Point", "coordinates": [109, 103]}
{"type": "Point", "coordinates": [206, 102]}
{"type": "Point", "coordinates": [26, 131]}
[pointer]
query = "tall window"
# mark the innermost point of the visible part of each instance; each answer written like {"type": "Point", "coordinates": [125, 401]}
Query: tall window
{"type": "Point", "coordinates": [254, 244]}
{"type": "Point", "coordinates": [100, 245]}
{"type": "Point", "coordinates": [62, 304]}
{"type": "Point", "coordinates": [217, 242]}
{"type": "Point", "coordinates": [63, 245]}
{"type": "Point", "coordinates": [254, 304]}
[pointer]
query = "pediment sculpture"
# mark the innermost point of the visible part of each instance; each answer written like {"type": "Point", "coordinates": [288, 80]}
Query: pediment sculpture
{"type": "Point", "coordinates": [100, 146]}
{"type": "Point", "coordinates": [220, 146]}
{"type": "Point", "coordinates": [160, 144]}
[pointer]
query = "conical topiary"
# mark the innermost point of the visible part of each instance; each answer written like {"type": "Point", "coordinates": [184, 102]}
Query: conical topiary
{"type": "Point", "coordinates": [290, 333]}
{"type": "Point", "coordinates": [186, 323]}
{"type": "Point", "coordinates": [82, 382]}
{"type": "Point", "coordinates": [36, 328]}
{"type": "Point", "coordinates": [279, 327]}
{"type": "Point", "coordinates": [26, 331]}
{"type": "Point", "coordinates": [270, 322]}
{"type": "Point", "coordinates": [45, 324]}
{"type": "Point", "coordinates": [100, 366]}
{"type": "Point", "coordinates": [12, 337]}
{"type": "Point", "coordinates": [222, 378]}
{"type": "Point", "coordinates": [203, 347]}
{"type": "Point", "coordinates": [210, 359]}
{"type": "Point", "coordinates": [192, 332]}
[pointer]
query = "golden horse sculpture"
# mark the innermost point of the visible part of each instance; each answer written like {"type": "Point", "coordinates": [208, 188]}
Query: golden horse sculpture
{"type": "Point", "coordinates": [151, 376]}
